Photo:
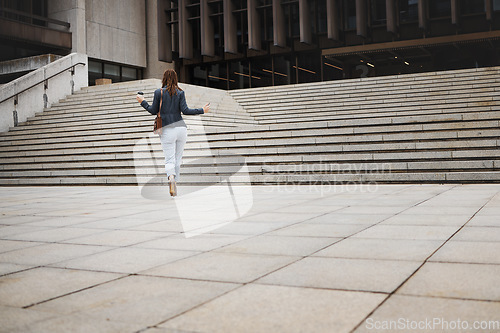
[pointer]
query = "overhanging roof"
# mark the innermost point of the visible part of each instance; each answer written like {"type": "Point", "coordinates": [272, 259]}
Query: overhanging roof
{"type": "Point", "coordinates": [27, 33]}
{"type": "Point", "coordinates": [413, 43]}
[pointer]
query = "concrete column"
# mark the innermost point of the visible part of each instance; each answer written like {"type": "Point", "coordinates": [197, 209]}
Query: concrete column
{"type": "Point", "coordinates": [254, 30]}
{"type": "Point", "coordinates": [185, 32]}
{"type": "Point", "coordinates": [305, 22]}
{"type": "Point", "coordinates": [455, 12]}
{"type": "Point", "coordinates": [230, 37]}
{"type": "Point", "coordinates": [422, 14]}
{"type": "Point", "coordinates": [80, 38]}
{"type": "Point", "coordinates": [333, 19]}
{"type": "Point", "coordinates": [390, 8]}
{"type": "Point", "coordinates": [158, 39]}
{"type": "Point", "coordinates": [489, 10]}
{"type": "Point", "coordinates": [207, 30]}
{"type": "Point", "coordinates": [164, 32]}
{"type": "Point", "coordinates": [361, 18]}
{"type": "Point", "coordinates": [279, 31]}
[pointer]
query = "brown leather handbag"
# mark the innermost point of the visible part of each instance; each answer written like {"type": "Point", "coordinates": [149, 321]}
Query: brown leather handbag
{"type": "Point", "coordinates": [157, 129]}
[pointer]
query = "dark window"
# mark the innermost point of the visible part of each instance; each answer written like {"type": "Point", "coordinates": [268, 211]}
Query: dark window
{"type": "Point", "coordinates": [321, 16]}
{"type": "Point", "coordinates": [241, 15]}
{"type": "Point", "coordinates": [39, 9]}
{"type": "Point", "coordinates": [112, 72]}
{"type": "Point", "coordinates": [262, 72]}
{"type": "Point", "coordinates": [408, 10]}
{"type": "Point", "coordinates": [350, 14]}
{"type": "Point", "coordinates": [309, 67]}
{"type": "Point", "coordinates": [27, 9]}
{"type": "Point", "coordinates": [217, 19]}
{"type": "Point", "coordinates": [439, 8]}
{"type": "Point", "coordinates": [239, 75]}
{"type": "Point", "coordinates": [217, 76]}
{"type": "Point", "coordinates": [129, 74]}
{"type": "Point", "coordinates": [199, 76]}
{"type": "Point", "coordinates": [283, 73]}
{"type": "Point", "coordinates": [472, 6]}
{"type": "Point", "coordinates": [379, 14]}
{"type": "Point", "coordinates": [115, 72]}
{"type": "Point", "coordinates": [265, 9]}
{"type": "Point", "coordinates": [332, 70]}
{"type": "Point", "coordinates": [496, 4]}
{"type": "Point", "coordinates": [292, 18]}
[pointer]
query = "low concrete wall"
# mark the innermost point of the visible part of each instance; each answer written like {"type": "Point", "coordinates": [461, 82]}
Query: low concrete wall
{"type": "Point", "coordinates": [33, 92]}
{"type": "Point", "coordinates": [27, 64]}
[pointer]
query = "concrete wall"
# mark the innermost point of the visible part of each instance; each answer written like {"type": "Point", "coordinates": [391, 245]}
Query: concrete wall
{"type": "Point", "coordinates": [42, 91]}
{"type": "Point", "coordinates": [120, 31]}
{"type": "Point", "coordinates": [72, 11]}
{"type": "Point", "coordinates": [116, 31]}
{"type": "Point", "coordinates": [26, 64]}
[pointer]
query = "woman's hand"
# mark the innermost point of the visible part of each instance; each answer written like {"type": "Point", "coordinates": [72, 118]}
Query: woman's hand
{"type": "Point", "coordinates": [140, 98]}
{"type": "Point", "coordinates": [206, 108]}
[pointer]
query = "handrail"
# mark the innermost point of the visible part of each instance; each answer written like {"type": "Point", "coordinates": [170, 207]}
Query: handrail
{"type": "Point", "coordinates": [32, 16]}
{"type": "Point", "coordinates": [48, 78]}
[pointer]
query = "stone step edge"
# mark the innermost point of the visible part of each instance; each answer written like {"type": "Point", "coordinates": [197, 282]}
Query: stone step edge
{"type": "Point", "coordinates": [72, 124]}
{"type": "Point", "coordinates": [369, 80]}
{"type": "Point", "coordinates": [262, 142]}
{"type": "Point", "coordinates": [374, 155]}
{"type": "Point", "coordinates": [77, 123]}
{"type": "Point", "coordinates": [404, 91]}
{"type": "Point", "coordinates": [265, 99]}
{"type": "Point", "coordinates": [370, 119]}
{"type": "Point", "coordinates": [355, 179]}
{"type": "Point", "coordinates": [421, 126]}
{"type": "Point", "coordinates": [212, 137]}
{"type": "Point", "coordinates": [390, 148]}
{"type": "Point", "coordinates": [129, 116]}
{"type": "Point", "coordinates": [52, 174]}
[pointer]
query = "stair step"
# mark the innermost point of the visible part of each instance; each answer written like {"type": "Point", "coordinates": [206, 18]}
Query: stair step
{"type": "Point", "coordinates": [441, 127]}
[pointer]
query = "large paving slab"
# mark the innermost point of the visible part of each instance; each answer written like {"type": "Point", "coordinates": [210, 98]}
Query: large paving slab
{"type": "Point", "coordinates": [32, 286]}
{"type": "Point", "coordinates": [425, 314]}
{"type": "Point", "coordinates": [455, 280]}
{"type": "Point", "coordinates": [297, 259]}
{"type": "Point", "coordinates": [344, 274]}
{"type": "Point", "coordinates": [293, 310]}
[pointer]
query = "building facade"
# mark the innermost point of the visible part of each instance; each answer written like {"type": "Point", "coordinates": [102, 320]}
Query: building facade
{"type": "Point", "coordinates": [119, 36]}
{"type": "Point", "coordinates": [231, 44]}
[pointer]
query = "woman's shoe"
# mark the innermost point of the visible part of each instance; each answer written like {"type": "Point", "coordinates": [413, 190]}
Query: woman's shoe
{"type": "Point", "coordinates": [173, 187]}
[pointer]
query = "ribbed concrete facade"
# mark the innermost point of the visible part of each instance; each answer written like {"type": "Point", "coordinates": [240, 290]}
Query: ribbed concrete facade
{"type": "Point", "coordinates": [234, 44]}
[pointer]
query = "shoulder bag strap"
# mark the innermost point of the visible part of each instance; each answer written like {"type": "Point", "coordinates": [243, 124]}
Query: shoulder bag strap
{"type": "Point", "coordinates": [161, 100]}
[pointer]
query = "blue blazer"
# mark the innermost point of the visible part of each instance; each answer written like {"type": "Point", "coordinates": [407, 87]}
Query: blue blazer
{"type": "Point", "coordinates": [171, 106]}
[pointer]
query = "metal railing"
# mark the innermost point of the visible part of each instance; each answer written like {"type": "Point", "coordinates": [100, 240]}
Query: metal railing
{"type": "Point", "coordinates": [72, 68]}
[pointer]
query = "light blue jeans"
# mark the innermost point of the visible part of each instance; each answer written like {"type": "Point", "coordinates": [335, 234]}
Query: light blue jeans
{"type": "Point", "coordinates": [173, 140]}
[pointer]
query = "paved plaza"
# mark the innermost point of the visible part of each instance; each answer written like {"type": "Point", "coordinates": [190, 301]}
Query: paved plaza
{"type": "Point", "coordinates": [352, 258]}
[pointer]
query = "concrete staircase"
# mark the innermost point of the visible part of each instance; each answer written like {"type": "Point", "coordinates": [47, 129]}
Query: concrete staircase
{"type": "Point", "coordinates": [428, 128]}
{"type": "Point", "coordinates": [89, 137]}
{"type": "Point", "coordinates": [432, 127]}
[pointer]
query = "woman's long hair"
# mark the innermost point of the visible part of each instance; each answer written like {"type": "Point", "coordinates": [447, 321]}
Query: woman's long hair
{"type": "Point", "coordinates": [170, 82]}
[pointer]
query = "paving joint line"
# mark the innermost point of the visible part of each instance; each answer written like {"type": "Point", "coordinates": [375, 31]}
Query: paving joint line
{"type": "Point", "coordinates": [425, 261]}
